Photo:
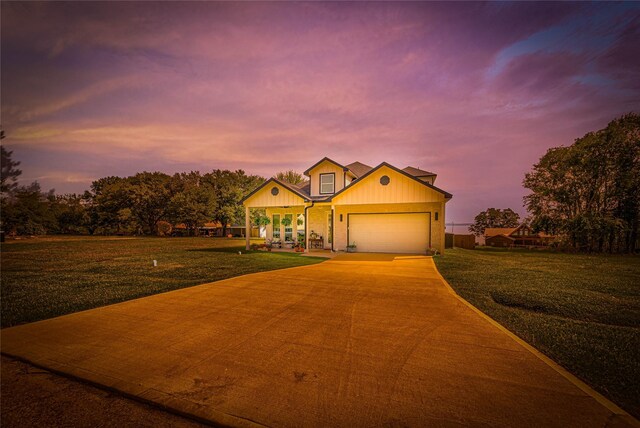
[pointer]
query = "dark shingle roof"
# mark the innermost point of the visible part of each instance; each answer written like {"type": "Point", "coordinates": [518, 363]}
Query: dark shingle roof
{"type": "Point", "coordinates": [305, 187]}
{"type": "Point", "coordinates": [417, 172]}
{"type": "Point", "coordinates": [358, 169]}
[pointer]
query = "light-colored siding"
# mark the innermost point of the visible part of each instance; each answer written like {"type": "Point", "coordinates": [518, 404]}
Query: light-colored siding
{"type": "Point", "coordinates": [401, 189]}
{"type": "Point", "coordinates": [282, 211]}
{"type": "Point", "coordinates": [264, 198]}
{"type": "Point", "coordinates": [318, 222]}
{"type": "Point", "coordinates": [402, 195]}
{"type": "Point", "coordinates": [325, 167]}
{"type": "Point", "coordinates": [437, 227]}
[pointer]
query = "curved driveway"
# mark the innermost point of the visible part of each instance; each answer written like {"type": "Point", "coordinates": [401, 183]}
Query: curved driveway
{"type": "Point", "coordinates": [359, 340]}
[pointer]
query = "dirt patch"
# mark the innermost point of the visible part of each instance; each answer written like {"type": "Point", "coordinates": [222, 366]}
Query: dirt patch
{"type": "Point", "coordinates": [38, 398]}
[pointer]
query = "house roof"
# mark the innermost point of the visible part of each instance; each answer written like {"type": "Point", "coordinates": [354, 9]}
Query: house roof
{"type": "Point", "coordinates": [447, 195]}
{"type": "Point", "coordinates": [359, 169]}
{"type": "Point", "coordinates": [417, 172]}
{"type": "Point", "coordinates": [320, 161]}
{"type": "Point", "coordinates": [502, 235]}
{"type": "Point", "coordinates": [494, 231]}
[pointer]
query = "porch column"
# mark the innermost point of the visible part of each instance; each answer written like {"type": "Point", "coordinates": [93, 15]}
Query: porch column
{"type": "Point", "coordinates": [247, 227]}
{"type": "Point", "coordinates": [333, 227]}
{"type": "Point", "coordinates": [306, 228]}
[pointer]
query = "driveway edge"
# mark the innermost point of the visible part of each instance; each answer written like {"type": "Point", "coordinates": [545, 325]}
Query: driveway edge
{"type": "Point", "coordinates": [218, 420]}
{"type": "Point", "coordinates": [611, 406]}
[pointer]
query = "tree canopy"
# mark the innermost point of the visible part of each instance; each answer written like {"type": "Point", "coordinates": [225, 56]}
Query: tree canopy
{"type": "Point", "coordinates": [589, 192]}
{"type": "Point", "coordinates": [494, 217]}
{"type": "Point", "coordinates": [138, 204]}
{"type": "Point", "coordinates": [290, 176]}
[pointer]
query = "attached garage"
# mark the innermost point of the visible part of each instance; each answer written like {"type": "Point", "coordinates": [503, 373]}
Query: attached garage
{"type": "Point", "coordinates": [390, 232]}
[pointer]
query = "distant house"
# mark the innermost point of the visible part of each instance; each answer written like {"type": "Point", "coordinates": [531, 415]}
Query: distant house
{"type": "Point", "coordinates": [214, 229]}
{"type": "Point", "coordinates": [520, 236]}
{"type": "Point", "coordinates": [341, 207]}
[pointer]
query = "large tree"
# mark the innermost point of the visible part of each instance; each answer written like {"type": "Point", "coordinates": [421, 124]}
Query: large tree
{"type": "Point", "coordinates": [29, 212]}
{"type": "Point", "coordinates": [494, 217]}
{"type": "Point", "coordinates": [588, 192]}
{"type": "Point", "coordinates": [108, 204]}
{"type": "Point", "coordinates": [149, 195]}
{"type": "Point", "coordinates": [192, 202]}
{"type": "Point", "coordinates": [26, 210]}
{"type": "Point", "coordinates": [228, 188]}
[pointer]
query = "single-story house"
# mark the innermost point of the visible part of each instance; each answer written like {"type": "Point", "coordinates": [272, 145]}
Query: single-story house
{"type": "Point", "coordinates": [214, 229]}
{"type": "Point", "coordinates": [235, 230]}
{"type": "Point", "coordinates": [515, 237]}
{"type": "Point", "coordinates": [370, 209]}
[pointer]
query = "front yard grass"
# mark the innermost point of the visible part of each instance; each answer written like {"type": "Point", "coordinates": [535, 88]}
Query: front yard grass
{"type": "Point", "coordinates": [583, 311]}
{"type": "Point", "coordinates": [47, 277]}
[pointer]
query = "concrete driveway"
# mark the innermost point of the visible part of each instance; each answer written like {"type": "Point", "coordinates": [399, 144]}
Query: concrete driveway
{"type": "Point", "coordinates": [360, 340]}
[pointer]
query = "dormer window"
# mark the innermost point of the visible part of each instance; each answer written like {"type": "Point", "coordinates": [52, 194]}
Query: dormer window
{"type": "Point", "coordinates": [327, 183]}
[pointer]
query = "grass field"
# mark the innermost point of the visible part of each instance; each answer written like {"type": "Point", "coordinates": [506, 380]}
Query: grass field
{"type": "Point", "coordinates": [583, 311]}
{"type": "Point", "coordinates": [46, 277]}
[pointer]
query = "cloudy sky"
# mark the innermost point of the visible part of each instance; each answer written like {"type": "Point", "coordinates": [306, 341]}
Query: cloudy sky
{"type": "Point", "coordinates": [475, 92]}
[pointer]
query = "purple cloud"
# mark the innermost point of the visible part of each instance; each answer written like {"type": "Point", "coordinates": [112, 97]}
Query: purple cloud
{"type": "Point", "coordinates": [473, 91]}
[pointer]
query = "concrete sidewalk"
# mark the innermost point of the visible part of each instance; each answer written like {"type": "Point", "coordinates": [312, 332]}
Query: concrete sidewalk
{"type": "Point", "coordinates": [359, 340]}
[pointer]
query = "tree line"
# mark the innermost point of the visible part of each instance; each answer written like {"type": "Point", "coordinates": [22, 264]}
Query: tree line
{"type": "Point", "coordinates": [589, 192]}
{"type": "Point", "coordinates": [144, 203]}
{"type": "Point", "coordinates": [586, 194]}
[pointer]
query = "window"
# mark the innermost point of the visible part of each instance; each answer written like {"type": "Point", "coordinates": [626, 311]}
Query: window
{"type": "Point", "coordinates": [327, 183]}
{"type": "Point", "coordinates": [276, 226]}
{"type": "Point", "coordinates": [330, 227]}
{"type": "Point", "coordinates": [300, 227]}
{"type": "Point", "coordinates": [288, 228]}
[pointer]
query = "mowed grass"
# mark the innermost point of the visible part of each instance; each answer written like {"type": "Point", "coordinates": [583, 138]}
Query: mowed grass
{"type": "Point", "coordinates": [583, 311]}
{"type": "Point", "coordinates": [46, 277]}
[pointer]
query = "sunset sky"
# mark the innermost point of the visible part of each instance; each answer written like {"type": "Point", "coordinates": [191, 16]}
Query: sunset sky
{"type": "Point", "coordinates": [473, 92]}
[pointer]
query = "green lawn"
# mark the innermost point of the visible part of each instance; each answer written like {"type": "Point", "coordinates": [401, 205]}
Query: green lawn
{"type": "Point", "coordinates": [46, 277]}
{"type": "Point", "coordinates": [583, 311]}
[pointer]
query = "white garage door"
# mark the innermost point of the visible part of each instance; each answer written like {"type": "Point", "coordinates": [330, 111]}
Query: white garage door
{"type": "Point", "coordinates": [389, 233]}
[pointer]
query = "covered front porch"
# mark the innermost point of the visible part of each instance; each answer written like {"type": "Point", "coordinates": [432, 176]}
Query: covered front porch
{"type": "Point", "coordinates": [291, 217]}
{"type": "Point", "coordinates": [308, 225]}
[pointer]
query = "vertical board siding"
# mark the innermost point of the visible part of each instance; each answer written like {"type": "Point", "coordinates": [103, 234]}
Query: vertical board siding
{"type": "Point", "coordinates": [264, 198]}
{"type": "Point", "coordinates": [401, 189]}
{"type": "Point", "coordinates": [326, 167]}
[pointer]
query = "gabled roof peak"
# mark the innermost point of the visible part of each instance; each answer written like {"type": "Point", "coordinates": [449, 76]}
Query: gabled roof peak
{"type": "Point", "coordinates": [447, 195]}
{"type": "Point", "coordinates": [324, 159]}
